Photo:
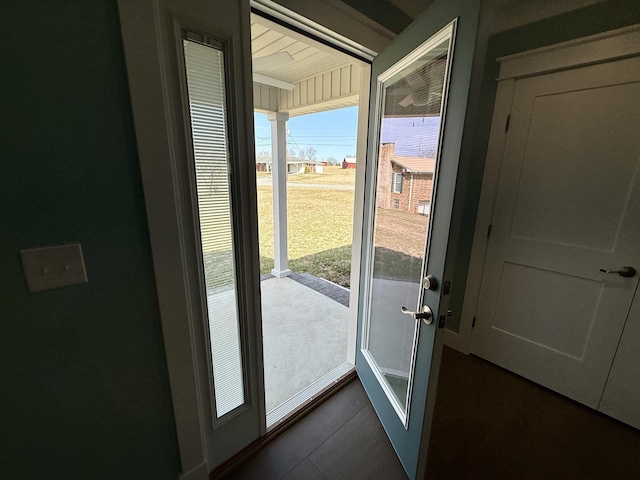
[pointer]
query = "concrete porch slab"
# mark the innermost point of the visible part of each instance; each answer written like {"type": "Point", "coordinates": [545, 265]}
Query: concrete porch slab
{"type": "Point", "coordinates": [304, 336]}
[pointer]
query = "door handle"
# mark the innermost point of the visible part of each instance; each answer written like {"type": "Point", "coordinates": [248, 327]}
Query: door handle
{"type": "Point", "coordinates": [426, 315]}
{"type": "Point", "coordinates": [625, 271]}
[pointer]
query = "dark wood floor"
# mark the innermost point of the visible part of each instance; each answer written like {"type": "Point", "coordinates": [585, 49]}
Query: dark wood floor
{"type": "Point", "coordinates": [492, 424]}
{"type": "Point", "coordinates": [488, 424]}
{"type": "Point", "coordinates": [342, 438]}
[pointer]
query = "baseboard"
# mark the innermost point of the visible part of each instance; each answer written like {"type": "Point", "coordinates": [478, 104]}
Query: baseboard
{"type": "Point", "coordinates": [201, 472]}
{"type": "Point", "coordinates": [452, 339]}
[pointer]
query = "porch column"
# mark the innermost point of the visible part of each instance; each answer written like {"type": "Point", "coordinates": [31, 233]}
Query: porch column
{"type": "Point", "coordinates": [279, 176]}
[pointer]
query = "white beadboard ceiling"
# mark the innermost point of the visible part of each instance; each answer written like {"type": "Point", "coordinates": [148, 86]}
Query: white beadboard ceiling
{"type": "Point", "coordinates": [310, 58]}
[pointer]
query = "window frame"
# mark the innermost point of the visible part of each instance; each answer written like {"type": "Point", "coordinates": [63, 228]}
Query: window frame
{"type": "Point", "coordinates": [394, 182]}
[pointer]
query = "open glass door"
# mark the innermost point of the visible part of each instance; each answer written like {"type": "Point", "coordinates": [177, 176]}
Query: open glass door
{"type": "Point", "coordinates": [416, 117]}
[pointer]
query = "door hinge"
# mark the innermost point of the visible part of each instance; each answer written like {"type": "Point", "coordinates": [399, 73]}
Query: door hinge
{"type": "Point", "coordinates": [473, 322]}
{"type": "Point", "coordinates": [506, 125]}
{"type": "Point", "coordinates": [489, 231]}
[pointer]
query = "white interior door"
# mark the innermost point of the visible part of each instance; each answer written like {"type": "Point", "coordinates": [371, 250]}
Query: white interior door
{"type": "Point", "coordinates": [566, 207]}
{"type": "Point", "coordinates": [189, 68]}
{"type": "Point", "coordinates": [420, 86]}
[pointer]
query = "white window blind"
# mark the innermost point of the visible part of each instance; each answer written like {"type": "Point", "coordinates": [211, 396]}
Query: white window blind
{"type": "Point", "coordinates": [206, 89]}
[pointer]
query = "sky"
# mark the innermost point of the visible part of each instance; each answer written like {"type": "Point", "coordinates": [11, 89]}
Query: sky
{"type": "Point", "coordinates": [413, 136]}
{"type": "Point", "coordinates": [333, 133]}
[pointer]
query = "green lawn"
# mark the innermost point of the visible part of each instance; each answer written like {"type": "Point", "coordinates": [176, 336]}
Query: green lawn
{"type": "Point", "coordinates": [320, 224]}
{"type": "Point", "coordinates": [332, 176]}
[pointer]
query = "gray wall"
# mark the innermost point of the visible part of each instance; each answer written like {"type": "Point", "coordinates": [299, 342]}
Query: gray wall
{"type": "Point", "coordinates": [84, 390]}
{"type": "Point", "coordinates": [589, 20]}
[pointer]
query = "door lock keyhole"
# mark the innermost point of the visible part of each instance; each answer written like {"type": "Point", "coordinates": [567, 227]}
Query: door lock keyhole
{"type": "Point", "coordinates": [429, 282]}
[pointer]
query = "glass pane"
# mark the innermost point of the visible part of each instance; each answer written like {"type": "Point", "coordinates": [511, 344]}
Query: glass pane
{"type": "Point", "coordinates": [206, 89]}
{"type": "Point", "coordinates": [407, 161]}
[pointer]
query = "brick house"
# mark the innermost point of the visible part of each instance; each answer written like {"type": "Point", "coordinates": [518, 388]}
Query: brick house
{"type": "Point", "coordinates": [404, 183]}
{"type": "Point", "coordinates": [349, 162]}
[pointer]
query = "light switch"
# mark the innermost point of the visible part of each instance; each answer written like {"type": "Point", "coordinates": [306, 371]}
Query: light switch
{"type": "Point", "coordinates": [53, 267]}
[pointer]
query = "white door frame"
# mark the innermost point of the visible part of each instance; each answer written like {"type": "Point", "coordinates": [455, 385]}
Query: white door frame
{"type": "Point", "coordinates": [358, 211]}
{"type": "Point", "coordinates": [594, 49]}
{"type": "Point", "coordinates": [160, 151]}
{"type": "Point", "coordinates": [161, 133]}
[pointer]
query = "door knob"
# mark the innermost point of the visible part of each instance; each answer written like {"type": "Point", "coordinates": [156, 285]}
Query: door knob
{"type": "Point", "coordinates": [625, 271]}
{"type": "Point", "coordinates": [426, 315]}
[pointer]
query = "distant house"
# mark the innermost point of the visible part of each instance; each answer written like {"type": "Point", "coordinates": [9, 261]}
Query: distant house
{"type": "Point", "coordinates": [295, 165]}
{"type": "Point", "coordinates": [263, 165]}
{"type": "Point", "coordinates": [349, 162]}
{"type": "Point", "coordinates": [404, 183]}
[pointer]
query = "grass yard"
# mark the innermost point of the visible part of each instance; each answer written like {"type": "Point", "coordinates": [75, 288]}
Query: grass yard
{"type": "Point", "coordinates": [332, 176]}
{"type": "Point", "coordinates": [320, 229]}
{"type": "Point", "coordinates": [399, 244]}
{"type": "Point", "coordinates": [320, 224]}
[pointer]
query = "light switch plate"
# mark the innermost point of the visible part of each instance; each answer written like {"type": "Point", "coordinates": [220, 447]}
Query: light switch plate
{"type": "Point", "coordinates": [53, 267]}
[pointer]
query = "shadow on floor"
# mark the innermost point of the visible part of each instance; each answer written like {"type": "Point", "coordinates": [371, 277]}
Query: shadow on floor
{"type": "Point", "coordinates": [488, 424]}
{"type": "Point", "coordinates": [492, 424]}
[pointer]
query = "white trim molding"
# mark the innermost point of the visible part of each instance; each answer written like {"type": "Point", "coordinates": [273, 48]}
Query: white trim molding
{"type": "Point", "coordinates": [147, 83]}
{"type": "Point", "coordinates": [272, 82]}
{"type": "Point", "coordinates": [451, 339]}
{"type": "Point", "coordinates": [327, 14]}
{"type": "Point", "coordinates": [603, 47]}
{"type": "Point", "coordinates": [358, 209]}
{"type": "Point", "coordinates": [201, 472]}
{"type": "Point", "coordinates": [485, 213]}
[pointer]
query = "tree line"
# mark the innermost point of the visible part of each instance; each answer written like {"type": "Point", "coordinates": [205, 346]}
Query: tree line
{"type": "Point", "coordinates": [308, 153]}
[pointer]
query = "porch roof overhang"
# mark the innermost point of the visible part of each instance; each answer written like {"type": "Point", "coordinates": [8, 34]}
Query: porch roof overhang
{"type": "Point", "coordinates": [298, 75]}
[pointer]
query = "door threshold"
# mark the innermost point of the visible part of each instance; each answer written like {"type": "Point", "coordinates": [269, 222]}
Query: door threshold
{"type": "Point", "coordinates": [288, 408]}
{"type": "Point", "coordinates": [290, 419]}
